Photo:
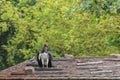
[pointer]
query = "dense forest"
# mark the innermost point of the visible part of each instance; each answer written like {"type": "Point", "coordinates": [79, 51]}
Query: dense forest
{"type": "Point", "coordinates": [77, 27]}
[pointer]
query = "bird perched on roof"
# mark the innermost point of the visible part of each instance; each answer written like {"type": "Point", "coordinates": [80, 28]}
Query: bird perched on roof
{"type": "Point", "coordinates": [44, 58]}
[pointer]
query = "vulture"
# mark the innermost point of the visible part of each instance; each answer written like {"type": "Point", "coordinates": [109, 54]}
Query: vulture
{"type": "Point", "coordinates": [39, 57]}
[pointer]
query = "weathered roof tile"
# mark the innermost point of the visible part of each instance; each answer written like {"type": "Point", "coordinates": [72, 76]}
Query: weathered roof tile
{"type": "Point", "coordinates": [87, 68]}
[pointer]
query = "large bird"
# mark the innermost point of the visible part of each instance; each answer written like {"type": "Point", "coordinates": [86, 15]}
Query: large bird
{"type": "Point", "coordinates": [43, 55]}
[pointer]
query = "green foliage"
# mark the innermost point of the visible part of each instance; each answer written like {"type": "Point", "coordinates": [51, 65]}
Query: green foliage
{"type": "Point", "coordinates": [114, 40]}
{"type": "Point", "coordinates": [77, 27]}
{"type": "Point", "coordinates": [100, 7]}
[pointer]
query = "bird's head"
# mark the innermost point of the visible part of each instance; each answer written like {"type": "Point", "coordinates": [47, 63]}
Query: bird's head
{"type": "Point", "coordinates": [45, 45]}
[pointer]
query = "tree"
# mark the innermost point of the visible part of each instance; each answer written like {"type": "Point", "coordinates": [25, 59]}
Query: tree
{"type": "Point", "coordinates": [77, 27]}
{"type": "Point", "coordinates": [114, 40]}
{"type": "Point", "coordinates": [100, 7]}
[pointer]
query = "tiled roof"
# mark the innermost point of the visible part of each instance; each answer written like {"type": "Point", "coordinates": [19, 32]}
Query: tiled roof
{"type": "Point", "coordinates": [84, 68]}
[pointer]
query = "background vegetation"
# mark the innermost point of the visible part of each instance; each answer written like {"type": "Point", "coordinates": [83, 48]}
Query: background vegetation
{"type": "Point", "coordinates": [77, 27]}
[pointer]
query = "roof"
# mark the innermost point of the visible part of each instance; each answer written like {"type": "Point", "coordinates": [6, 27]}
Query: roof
{"type": "Point", "coordinates": [83, 68]}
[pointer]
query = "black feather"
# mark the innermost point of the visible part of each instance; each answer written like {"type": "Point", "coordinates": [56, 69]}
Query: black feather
{"type": "Point", "coordinates": [39, 60]}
